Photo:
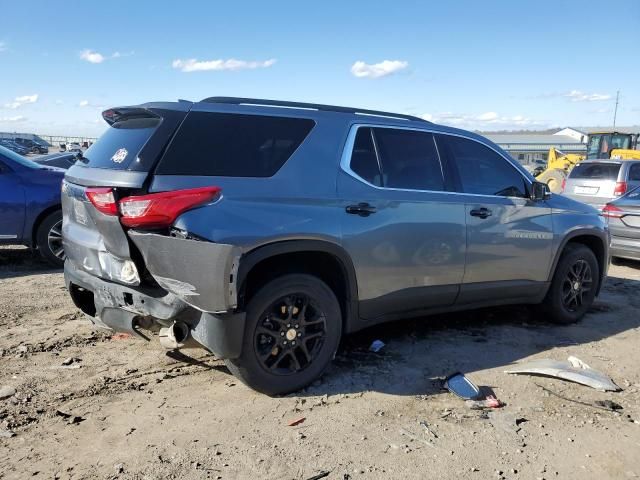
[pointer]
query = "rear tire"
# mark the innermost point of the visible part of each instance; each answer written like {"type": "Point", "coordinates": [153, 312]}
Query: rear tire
{"type": "Point", "coordinates": [574, 285]}
{"type": "Point", "coordinates": [49, 239]}
{"type": "Point", "coordinates": [292, 333]}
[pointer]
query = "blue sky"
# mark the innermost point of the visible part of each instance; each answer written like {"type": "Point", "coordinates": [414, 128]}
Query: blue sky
{"type": "Point", "coordinates": [488, 65]}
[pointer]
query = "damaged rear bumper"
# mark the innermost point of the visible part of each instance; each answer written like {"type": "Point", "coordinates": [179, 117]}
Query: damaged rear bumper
{"type": "Point", "coordinates": [130, 309]}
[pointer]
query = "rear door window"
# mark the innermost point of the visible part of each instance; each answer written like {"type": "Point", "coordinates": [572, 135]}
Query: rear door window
{"type": "Point", "coordinates": [408, 159]}
{"type": "Point", "coordinates": [481, 170]}
{"type": "Point", "coordinates": [120, 145]}
{"type": "Point", "coordinates": [233, 145]}
{"type": "Point", "coordinates": [364, 161]}
{"type": "Point", "coordinates": [595, 171]}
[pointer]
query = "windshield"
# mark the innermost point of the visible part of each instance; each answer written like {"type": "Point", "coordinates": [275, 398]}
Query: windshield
{"type": "Point", "coordinates": [601, 144]}
{"type": "Point", "coordinates": [14, 157]}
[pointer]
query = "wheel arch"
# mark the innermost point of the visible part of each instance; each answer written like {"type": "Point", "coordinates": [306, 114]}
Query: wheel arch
{"type": "Point", "coordinates": [596, 241]}
{"type": "Point", "coordinates": [38, 221]}
{"type": "Point", "coordinates": [327, 260]}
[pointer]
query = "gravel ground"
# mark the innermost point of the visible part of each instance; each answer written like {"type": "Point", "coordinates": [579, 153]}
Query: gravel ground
{"type": "Point", "coordinates": [92, 405]}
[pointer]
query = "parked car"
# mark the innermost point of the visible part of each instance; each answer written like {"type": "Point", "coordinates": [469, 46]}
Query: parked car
{"type": "Point", "coordinates": [30, 205]}
{"type": "Point", "coordinates": [74, 147]}
{"type": "Point", "coordinates": [13, 146]}
{"type": "Point", "coordinates": [623, 216]}
{"type": "Point", "coordinates": [32, 145]}
{"type": "Point", "coordinates": [60, 160]}
{"type": "Point", "coordinates": [264, 231]}
{"type": "Point", "coordinates": [598, 182]}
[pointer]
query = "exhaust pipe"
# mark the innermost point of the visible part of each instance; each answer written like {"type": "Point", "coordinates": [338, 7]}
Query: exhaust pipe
{"type": "Point", "coordinates": [177, 336]}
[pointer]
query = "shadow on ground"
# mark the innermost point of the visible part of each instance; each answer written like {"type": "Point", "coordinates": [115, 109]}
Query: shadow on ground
{"type": "Point", "coordinates": [419, 351]}
{"type": "Point", "coordinates": [21, 261]}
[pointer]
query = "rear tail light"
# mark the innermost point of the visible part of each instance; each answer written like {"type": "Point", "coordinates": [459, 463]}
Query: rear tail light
{"type": "Point", "coordinates": [564, 184]}
{"type": "Point", "coordinates": [620, 188]}
{"type": "Point", "coordinates": [611, 211]}
{"type": "Point", "coordinates": [103, 199]}
{"type": "Point", "coordinates": [158, 210]}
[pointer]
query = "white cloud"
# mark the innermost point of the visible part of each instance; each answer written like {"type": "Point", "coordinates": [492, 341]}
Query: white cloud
{"type": "Point", "coordinates": [376, 70]}
{"type": "Point", "coordinates": [16, 119]}
{"type": "Point", "coordinates": [579, 96]}
{"type": "Point", "coordinates": [3, 47]}
{"type": "Point", "coordinates": [19, 101]}
{"type": "Point", "coordinates": [91, 56]}
{"type": "Point", "coordinates": [122, 54]}
{"type": "Point", "coordinates": [194, 65]}
{"type": "Point", "coordinates": [83, 103]}
{"type": "Point", "coordinates": [487, 117]}
{"type": "Point", "coordinates": [482, 121]}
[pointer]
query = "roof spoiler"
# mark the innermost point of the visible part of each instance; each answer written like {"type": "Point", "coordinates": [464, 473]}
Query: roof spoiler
{"type": "Point", "coordinates": [118, 114]}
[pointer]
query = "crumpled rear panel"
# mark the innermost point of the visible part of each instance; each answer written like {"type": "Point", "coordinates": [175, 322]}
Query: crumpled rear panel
{"type": "Point", "coordinates": [200, 273]}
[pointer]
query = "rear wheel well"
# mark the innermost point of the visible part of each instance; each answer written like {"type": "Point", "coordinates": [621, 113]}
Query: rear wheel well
{"type": "Point", "coordinates": [40, 218]}
{"type": "Point", "coordinates": [323, 265]}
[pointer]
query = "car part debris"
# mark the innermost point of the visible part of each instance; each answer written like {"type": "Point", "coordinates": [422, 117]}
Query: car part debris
{"type": "Point", "coordinates": [428, 429]}
{"type": "Point", "coordinates": [297, 421]}
{"type": "Point", "coordinates": [574, 370]}
{"type": "Point", "coordinates": [461, 386]}
{"type": "Point", "coordinates": [376, 346]}
{"type": "Point", "coordinates": [489, 402]}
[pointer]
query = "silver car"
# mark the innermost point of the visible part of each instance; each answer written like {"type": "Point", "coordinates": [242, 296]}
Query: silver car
{"type": "Point", "coordinates": [598, 182]}
{"type": "Point", "coordinates": [623, 216]}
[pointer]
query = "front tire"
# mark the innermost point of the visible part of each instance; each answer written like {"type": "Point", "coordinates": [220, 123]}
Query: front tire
{"type": "Point", "coordinates": [49, 239]}
{"type": "Point", "coordinates": [574, 285]}
{"type": "Point", "coordinates": [292, 333]}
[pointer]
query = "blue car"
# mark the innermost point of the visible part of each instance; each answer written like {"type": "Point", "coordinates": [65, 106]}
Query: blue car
{"type": "Point", "coordinates": [30, 210]}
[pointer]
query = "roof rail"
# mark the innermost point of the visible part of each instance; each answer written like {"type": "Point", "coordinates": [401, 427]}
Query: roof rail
{"type": "Point", "coordinates": [309, 106]}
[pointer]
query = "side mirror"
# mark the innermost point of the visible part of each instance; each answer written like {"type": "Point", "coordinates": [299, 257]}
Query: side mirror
{"type": "Point", "coordinates": [540, 191]}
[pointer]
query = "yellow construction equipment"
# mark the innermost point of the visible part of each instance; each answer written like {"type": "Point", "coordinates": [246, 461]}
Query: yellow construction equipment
{"type": "Point", "coordinates": [600, 145]}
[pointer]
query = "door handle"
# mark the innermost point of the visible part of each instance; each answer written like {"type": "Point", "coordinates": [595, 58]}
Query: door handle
{"type": "Point", "coordinates": [363, 209]}
{"type": "Point", "coordinates": [480, 212]}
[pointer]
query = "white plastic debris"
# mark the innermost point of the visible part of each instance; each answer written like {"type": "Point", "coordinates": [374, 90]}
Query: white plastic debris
{"type": "Point", "coordinates": [376, 346]}
{"type": "Point", "coordinates": [573, 369]}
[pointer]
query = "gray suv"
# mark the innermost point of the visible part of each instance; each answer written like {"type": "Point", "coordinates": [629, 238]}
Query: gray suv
{"type": "Point", "coordinates": [263, 231]}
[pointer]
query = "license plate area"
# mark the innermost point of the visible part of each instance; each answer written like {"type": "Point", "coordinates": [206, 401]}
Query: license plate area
{"type": "Point", "coordinates": [585, 190]}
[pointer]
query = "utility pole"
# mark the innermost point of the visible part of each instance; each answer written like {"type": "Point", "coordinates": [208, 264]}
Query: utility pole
{"type": "Point", "coordinates": [615, 112]}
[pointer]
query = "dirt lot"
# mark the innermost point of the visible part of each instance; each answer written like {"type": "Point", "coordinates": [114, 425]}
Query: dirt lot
{"type": "Point", "coordinates": [90, 405]}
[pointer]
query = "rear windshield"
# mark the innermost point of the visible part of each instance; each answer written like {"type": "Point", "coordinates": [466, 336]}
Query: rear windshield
{"type": "Point", "coordinates": [233, 145]}
{"type": "Point", "coordinates": [596, 171]}
{"type": "Point", "coordinates": [120, 145]}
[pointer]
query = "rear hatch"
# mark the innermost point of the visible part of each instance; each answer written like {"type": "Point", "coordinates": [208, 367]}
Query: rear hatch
{"type": "Point", "coordinates": [593, 182]}
{"type": "Point", "coordinates": [116, 166]}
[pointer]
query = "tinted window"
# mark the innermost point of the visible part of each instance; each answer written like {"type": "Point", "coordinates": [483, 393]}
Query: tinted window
{"type": "Point", "coordinates": [481, 170]}
{"type": "Point", "coordinates": [120, 145]}
{"type": "Point", "coordinates": [634, 172]}
{"type": "Point", "coordinates": [595, 171]}
{"type": "Point", "coordinates": [408, 159]}
{"type": "Point", "coordinates": [364, 161]}
{"type": "Point", "coordinates": [231, 145]}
